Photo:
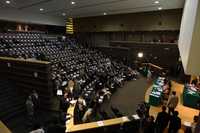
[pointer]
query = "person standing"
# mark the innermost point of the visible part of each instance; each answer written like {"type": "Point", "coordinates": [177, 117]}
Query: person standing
{"type": "Point", "coordinates": [35, 100]}
{"type": "Point", "coordinates": [172, 102]}
{"type": "Point", "coordinates": [149, 76]}
{"type": "Point", "coordinates": [197, 128]}
{"type": "Point", "coordinates": [162, 120]}
{"type": "Point", "coordinates": [30, 110]}
{"type": "Point", "coordinates": [175, 123]}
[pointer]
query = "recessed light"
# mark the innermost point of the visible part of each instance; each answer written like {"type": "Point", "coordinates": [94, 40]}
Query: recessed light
{"type": "Point", "coordinates": [156, 2]}
{"type": "Point", "coordinates": [64, 14]}
{"type": "Point", "coordinates": [41, 9]}
{"type": "Point", "coordinates": [140, 54]}
{"type": "Point", "coordinates": [159, 8]}
{"type": "Point", "coordinates": [104, 13]}
{"type": "Point", "coordinates": [7, 2]}
{"type": "Point", "coordinates": [73, 2]}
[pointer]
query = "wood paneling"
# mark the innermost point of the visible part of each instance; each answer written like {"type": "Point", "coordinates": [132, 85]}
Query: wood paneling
{"type": "Point", "coordinates": [146, 21]}
{"type": "Point", "coordinates": [22, 72]}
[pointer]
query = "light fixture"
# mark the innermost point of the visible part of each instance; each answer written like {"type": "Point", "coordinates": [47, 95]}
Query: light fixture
{"type": "Point", "coordinates": [104, 13]}
{"type": "Point", "coordinates": [41, 9]}
{"type": "Point", "coordinates": [64, 14]}
{"type": "Point", "coordinates": [159, 8]}
{"type": "Point", "coordinates": [73, 2]}
{"type": "Point", "coordinates": [7, 2]}
{"type": "Point", "coordinates": [156, 2]}
{"type": "Point", "coordinates": [140, 55]}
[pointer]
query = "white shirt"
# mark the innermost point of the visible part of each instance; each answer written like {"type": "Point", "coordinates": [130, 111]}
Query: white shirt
{"type": "Point", "coordinates": [38, 131]}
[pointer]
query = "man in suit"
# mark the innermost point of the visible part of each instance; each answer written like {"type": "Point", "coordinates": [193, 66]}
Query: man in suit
{"type": "Point", "coordinates": [162, 120]}
{"type": "Point", "coordinates": [172, 102]}
{"type": "Point", "coordinates": [55, 127]}
{"type": "Point", "coordinates": [175, 123]}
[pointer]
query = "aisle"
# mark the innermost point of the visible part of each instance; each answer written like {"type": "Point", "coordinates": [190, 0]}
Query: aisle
{"type": "Point", "coordinates": [127, 97]}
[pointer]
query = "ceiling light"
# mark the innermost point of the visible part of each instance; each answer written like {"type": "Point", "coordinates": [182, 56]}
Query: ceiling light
{"type": "Point", "coordinates": [104, 13]}
{"type": "Point", "coordinates": [156, 2]}
{"type": "Point", "coordinates": [73, 2]}
{"type": "Point", "coordinates": [64, 14]}
{"type": "Point", "coordinates": [7, 2]}
{"type": "Point", "coordinates": [159, 8]}
{"type": "Point", "coordinates": [41, 9]}
{"type": "Point", "coordinates": [140, 55]}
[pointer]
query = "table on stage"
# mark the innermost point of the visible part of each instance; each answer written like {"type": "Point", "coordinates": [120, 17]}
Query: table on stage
{"type": "Point", "coordinates": [191, 97]}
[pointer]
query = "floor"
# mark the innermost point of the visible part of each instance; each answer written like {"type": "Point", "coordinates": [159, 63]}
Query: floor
{"type": "Point", "coordinates": [127, 98]}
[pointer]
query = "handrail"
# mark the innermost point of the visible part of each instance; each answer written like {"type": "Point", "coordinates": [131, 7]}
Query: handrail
{"type": "Point", "coordinates": [4, 128]}
{"type": "Point", "coordinates": [24, 60]}
{"type": "Point", "coordinates": [163, 43]}
{"type": "Point", "coordinates": [71, 127]}
{"type": "Point", "coordinates": [153, 65]}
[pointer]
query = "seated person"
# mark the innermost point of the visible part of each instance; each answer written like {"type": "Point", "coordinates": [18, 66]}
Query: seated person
{"type": "Point", "coordinates": [87, 115]}
{"type": "Point", "coordinates": [198, 87]}
{"type": "Point", "coordinates": [118, 81]}
{"type": "Point", "coordinates": [70, 87]}
{"type": "Point", "coordinates": [65, 102]}
{"type": "Point", "coordinates": [81, 103]}
{"type": "Point", "coordinates": [194, 82]}
{"type": "Point", "coordinates": [106, 93]}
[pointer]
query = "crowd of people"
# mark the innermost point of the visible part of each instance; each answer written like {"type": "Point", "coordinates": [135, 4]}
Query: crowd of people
{"type": "Point", "coordinates": [82, 74]}
{"type": "Point", "coordinates": [91, 78]}
{"type": "Point", "coordinates": [87, 77]}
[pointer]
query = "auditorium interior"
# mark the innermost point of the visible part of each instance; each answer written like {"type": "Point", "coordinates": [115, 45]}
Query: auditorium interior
{"type": "Point", "coordinates": [104, 66]}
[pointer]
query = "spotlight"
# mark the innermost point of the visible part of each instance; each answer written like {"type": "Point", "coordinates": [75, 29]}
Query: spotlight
{"type": "Point", "coordinates": [156, 2]}
{"type": "Point", "coordinates": [41, 9]}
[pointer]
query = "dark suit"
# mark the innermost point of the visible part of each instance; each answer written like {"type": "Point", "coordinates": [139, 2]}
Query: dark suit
{"type": "Point", "coordinates": [162, 121]}
{"type": "Point", "coordinates": [175, 124]}
{"type": "Point", "coordinates": [55, 129]}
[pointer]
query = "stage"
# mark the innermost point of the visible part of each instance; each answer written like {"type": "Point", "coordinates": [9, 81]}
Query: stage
{"type": "Point", "coordinates": [185, 113]}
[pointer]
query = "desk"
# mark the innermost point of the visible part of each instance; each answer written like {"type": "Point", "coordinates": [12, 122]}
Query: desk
{"type": "Point", "coordinates": [71, 127]}
{"type": "Point", "coordinates": [70, 111]}
{"type": "Point", "coordinates": [3, 128]}
{"type": "Point", "coordinates": [155, 96]}
{"type": "Point", "coordinates": [190, 97]}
